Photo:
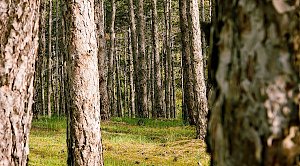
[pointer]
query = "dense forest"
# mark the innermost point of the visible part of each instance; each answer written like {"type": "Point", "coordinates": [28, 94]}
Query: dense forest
{"type": "Point", "coordinates": [186, 82]}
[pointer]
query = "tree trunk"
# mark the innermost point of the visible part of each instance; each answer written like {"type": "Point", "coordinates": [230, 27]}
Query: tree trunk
{"type": "Point", "coordinates": [111, 58]}
{"type": "Point", "coordinates": [83, 133]}
{"type": "Point", "coordinates": [49, 59]}
{"type": "Point", "coordinates": [188, 78]}
{"type": "Point", "coordinates": [167, 58]}
{"type": "Point", "coordinates": [18, 50]}
{"type": "Point", "coordinates": [118, 85]}
{"type": "Point", "coordinates": [131, 75]}
{"type": "Point", "coordinates": [142, 68]}
{"type": "Point", "coordinates": [134, 48]}
{"type": "Point", "coordinates": [255, 119]}
{"type": "Point", "coordinates": [201, 106]}
{"type": "Point", "coordinates": [158, 93]}
{"type": "Point", "coordinates": [63, 48]}
{"type": "Point", "coordinates": [57, 53]}
{"type": "Point", "coordinates": [102, 65]}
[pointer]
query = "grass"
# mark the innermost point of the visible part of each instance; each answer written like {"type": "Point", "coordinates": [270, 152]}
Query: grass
{"type": "Point", "coordinates": [125, 142]}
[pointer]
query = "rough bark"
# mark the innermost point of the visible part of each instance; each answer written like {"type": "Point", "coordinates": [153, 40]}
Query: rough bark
{"type": "Point", "coordinates": [49, 83]}
{"type": "Point", "coordinates": [57, 53]}
{"type": "Point", "coordinates": [83, 134]}
{"type": "Point", "coordinates": [19, 23]}
{"type": "Point", "coordinates": [188, 94]}
{"type": "Point", "coordinates": [111, 58]}
{"type": "Point", "coordinates": [102, 65]}
{"type": "Point", "coordinates": [158, 93]}
{"type": "Point", "coordinates": [255, 118]}
{"type": "Point", "coordinates": [134, 47]}
{"type": "Point", "coordinates": [131, 75]}
{"type": "Point", "coordinates": [167, 51]}
{"type": "Point", "coordinates": [201, 105]}
{"type": "Point", "coordinates": [142, 67]}
{"type": "Point", "coordinates": [118, 85]}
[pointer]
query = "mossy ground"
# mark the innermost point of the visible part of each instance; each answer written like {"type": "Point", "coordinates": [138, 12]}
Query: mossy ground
{"type": "Point", "coordinates": [125, 141]}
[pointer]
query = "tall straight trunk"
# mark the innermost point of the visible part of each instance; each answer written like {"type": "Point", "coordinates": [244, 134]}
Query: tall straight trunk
{"type": "Point", "coordinates": [49, 59]}
{"type": "Point", "coordinates": [184, 111]}
{"type": "Point", "coordinates": [255, 118]}
{"type": "Point", "coordinates": [16, 85]}
{"type": "Point", "coordinates": [118, 85]}
{"type": "Point", "coordinates": [57, 53]}
{"type": "Point", "coordinates": [102, 65]}
{"type": "Point", "coordinates": [167, 58]}
{"type": "Point", "coordinates": [201, 104]}
{"type": "Point", "coordinates": [134, 47]}
{"type": "Point", "coordinates": [142, 73]}
{"type": "Point", "coordinates": [131, 75]}
{"type": "Point", "coordinates": [125, 76]}
{"type": "Point", "coordinates": [187, 74]}
{"type": "Point", "coordinates": [83, 132]}
{"type": "Point", "coordinates": [63, 49]}
{"type": "Point", "coordinates": [158, 93]}
{"type": "Point", "coordinates": [173, 89]}
{"type": "Point", "coordinates": [42, 46]}
{"type": "Point", "coordinates": [111, 57]}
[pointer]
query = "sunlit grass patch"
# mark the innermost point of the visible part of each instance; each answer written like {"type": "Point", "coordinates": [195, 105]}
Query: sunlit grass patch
{"type": "Point", "coordinates": [125, 142]}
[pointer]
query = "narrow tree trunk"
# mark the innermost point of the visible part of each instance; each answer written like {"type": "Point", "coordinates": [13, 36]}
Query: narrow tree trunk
{"type": "Point", "coordinates": [188, 94]}
{"type": "Point", "coordinates": [158, 93]}
{"type": "Point", "coordinates": [83, 134]}
{"type": "Point", "coordinates": [63, 49]}
{"type": "Point", "coordinates": [125, 76]}
{"type": "Point", "coordinates": [255, 119]}
{"type": "Point", "coordinates": [142, 73]}
{"type": "Point", "coordinates": [118, 85]}
{"type": "Point", "coordinates": [134, 47]}
{"type": "Point", "coordinates": [198, 71]}
{"type": "Point", "coordinates": [49, 59]}
{"type": "Point", "coordinates": [111, 58]}
{"type": "Point", "coordinates": [16, 85]}
{"type": "Point", "coordinates": [131, 75]}
{"type": "Point", "coordinates": [102, 65]}
{"type": "Point", "coordinates": [57, 53]}
{"type": "Point", "coordinates": [173, 90]}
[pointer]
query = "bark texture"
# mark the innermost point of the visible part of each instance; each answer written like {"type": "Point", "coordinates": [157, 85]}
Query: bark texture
{"type": "Point", "coordinates": [133, 37]}
{"type": "Point", "coordinates": [99, 20]}
{"type": "Point", "coordinates": [201, 105]}
{"type": "Point", "coordinates": [158, 93]}
{"type": "Point", "coordinates": [110, 76]}
{"type": "Point", "coordinates": [188, 98]}
{"type": "Point", "coordinates": [255, 118]}
{"type": "Point", "coordinates": [142, 67]}
{"type": "Point", "coordinates": [19, 22]}
{"type": "Point", "coordinates": [83, 134]}
{"type": "Point", "coordinates": [49, 83]}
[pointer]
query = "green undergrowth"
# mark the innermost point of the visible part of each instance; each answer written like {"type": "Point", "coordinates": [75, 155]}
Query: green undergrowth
{"type": "Point", "coordinates": [126, 141]}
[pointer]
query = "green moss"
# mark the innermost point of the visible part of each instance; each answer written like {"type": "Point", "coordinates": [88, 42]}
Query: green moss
{"type": "Point", "coordinates": [157, 142]}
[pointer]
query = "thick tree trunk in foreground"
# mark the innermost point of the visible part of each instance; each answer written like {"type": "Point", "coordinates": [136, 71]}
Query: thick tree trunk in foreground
{"type": "Point", "coordinates": [18, 49]}
{"type": "Point", "coordinates": [83, 135]}
{"type": "Point", "coordinates": [201, 105]}
{"type": "Point", "coordinates": [255, 119]}
{"type": "Point", "coordinates": [142, 66]}
{"type": "Point", "coordinates": [102, 65]}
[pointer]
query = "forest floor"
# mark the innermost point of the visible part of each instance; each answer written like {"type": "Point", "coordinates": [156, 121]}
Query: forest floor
{"type": "Point", "coordinates": [126, 142]}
